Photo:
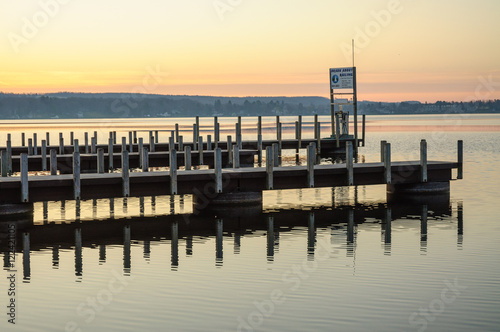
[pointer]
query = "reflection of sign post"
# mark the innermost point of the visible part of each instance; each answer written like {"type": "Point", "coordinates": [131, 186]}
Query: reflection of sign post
{"type": "Point", "coordinates": [342, 78]}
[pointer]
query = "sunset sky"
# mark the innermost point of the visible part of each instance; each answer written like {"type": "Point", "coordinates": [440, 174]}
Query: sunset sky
{"type": "Point", "coordinates": [405, 49]}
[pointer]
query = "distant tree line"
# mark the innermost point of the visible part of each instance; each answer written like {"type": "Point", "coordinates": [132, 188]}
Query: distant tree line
{"type": "Point", "coordinates": [124, 105]}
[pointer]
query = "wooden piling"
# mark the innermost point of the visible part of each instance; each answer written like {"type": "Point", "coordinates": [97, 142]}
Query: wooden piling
{"type": "Point", "coordinates": [382, 150]}
{"type": "Point", "coordinates": [171, 143]}
{"type": "Point", "coordinates": [277, 125]}
{"type": "Point", "coordinates": [130, 142]}
{"type": "Point", "coordinates": [140, 146]}
{"type": "Point", "coordinates": [173, 171]}
{"type": "Point", "coordinates": [76, 145]}
{"type": "Point", "coordinates": [86, 138]}
{"type": "Point", "coordinates": [114, 137]}
{"type": "Point", "coordinates": [238, 134]}
{"type": "Point", "coordinates": [229, 150]}
{"type": "Point", "coordinates": [35, 144]}
{"type": "Point", "coordinates": [23, 139]}
{"type": "Point", "coordinates": [236, 156]}
{"type": "Point", "coordinates": [311, 158]}
{"type": "Point", "coordinates": [218, 170]}
{"type": "Point", "coordinates": [259, 126]}
{"type": "Point", "coordinates": [209, 142]}
{"type": "Point", "coordinates": [100, 160]}
{"type": "Point", "coordinates": [134, 134]}
{"type": "Point", "coordinates": [269, 167]}
{"type": "Point", "coordinates": [125, 174]}
{"type": "Point", "coordinates": [9, 156]}
{"type": "Point", "coordinates": [110, 154]}
{"type": "Point", "coordinates": [460, 159]}
{"type": "Point", "coordinates": [276, 155]}
{"type": "Point", "coordinates": [387, 163]}
{"type": "Point", "coordinates": [200, 150]}
{"type": "Point", "coordinates": [124, 144]}
{"type": "Point", "coordinates": [316, 127]}
{"type": "Point", "coordinates": [24, 178]}
{"type": "Point", "coordinates": [423, 160]}
{"type": "Point", "coordinates": [318, 139]}
{"type": "Point", "coordinates": [195, 137]}
{"type": "Point", "coordinates": [145, 160]}
{"type": "Point", "coordinates": [71, 137]}
{"type": "Point", "coordinates": [53, 162]}
{"type": "Point", "coordinates": [47, 138]}
{"type": "Point", "coordinates": [44, 155]}
{"type": "Point", "coordinates": [30, 147]}
{"type": "Point", "coordinates": [152, 143]}
{"type": "Point", "coordinates": [337, 129]}
{"type": "Point", "coordinates": [197, 127]}
{"type": "Point", "coordinates": [259, 149]}
{"type": "Point", "coordinates": [76, 176]}
{"type": "Point", "coordinates": [181, 143]}
{"type": "Point", "coordinates": [156, 137]}
{"type": "Point", "coordinates": [93, 143]}
{"type": "Point", "coordinates": [364, 127]}
{"type": "Point", "coordinates": [349, 163]}
{"type": "Point", "coordinates": [3, 157]}
{"type": "Point", "coordinates": [187, 158]}
{"type": "Point", "coordinates": [177, 133]}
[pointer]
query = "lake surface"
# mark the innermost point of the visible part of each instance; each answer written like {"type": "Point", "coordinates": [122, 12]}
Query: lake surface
{"type": "Point", "coordinates": [329, 259]}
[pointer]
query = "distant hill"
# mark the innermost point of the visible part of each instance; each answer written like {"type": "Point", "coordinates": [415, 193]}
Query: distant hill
{"type": "Point", "coordinates": [123, 105]}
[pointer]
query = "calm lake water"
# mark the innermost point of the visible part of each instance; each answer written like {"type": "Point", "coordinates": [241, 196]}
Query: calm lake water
{"type": "Point", "coordinates": [309, 260]}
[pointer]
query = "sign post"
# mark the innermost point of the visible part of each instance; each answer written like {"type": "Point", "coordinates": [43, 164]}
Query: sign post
{"type": "Point", "coordinates": [344, 79]}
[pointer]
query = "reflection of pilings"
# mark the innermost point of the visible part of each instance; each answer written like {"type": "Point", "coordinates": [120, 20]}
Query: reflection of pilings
{"type": "Point", "coordinates": [460, 224]}
{"type": "Point", "coordinates": [126, 249]}
{"type": "Point", "coordinates": [270, 238]}
{"type": "Point", "coordinates": [172, 204]}
{"type": "Point", "coordinates": [26, 256]}
{"type": "Point", "coordinates": [78, 252]}
{"type": "Point", "coordinates": [153, 204]}
{"type": "Point", "coordinates": [387, 235]}
{"type": "Point", "coordinates": [423, 229]}
{"type": "Point", "coordinates": [112, 208]}
{"type": "Point", "coordinates": [141, 206]}
{"type": "Point", "coordinates": [77, 210]}
{"type": "Point", "coordinates": [94, 209]}
{"type": "Point", "coordinates": [237, 243]}
{"type": "Point", "coordinates": [63, 210]}
{"type": "Point", "coordinates": [55, 256]}
{"type": "Point", "coordinates": [311, 236]}
{"type": "Point", "coordinates": [45, 212]}
{"type": "Point", "coordinates": [125, 205]}
{"type": "Point", "coordinates": [102, 253]}
{"type": "Point", "coordinates": [218, 242]}
{"type": "Point", "coordinates": [350, 233]}
{"type": "Point", "coordinates": [147, 249]}
{"type": "Point", "coordinates": [189, 245]}
{"type": "Point", "coordinates": [181, 203]}
{"type": "Point", "coordinates": [175, 244]}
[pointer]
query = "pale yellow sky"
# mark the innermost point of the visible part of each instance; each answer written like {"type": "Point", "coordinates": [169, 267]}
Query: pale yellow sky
{"type": "Point", "coordinates": [405, 49]}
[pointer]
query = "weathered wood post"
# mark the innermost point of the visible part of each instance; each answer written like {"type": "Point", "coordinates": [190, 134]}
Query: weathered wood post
{"type": "Point", "coordinates": [269, 168]}
{"type": "Point", "coordinates": [30, 147]}
{"type": "Point", "coordinates": [23, 139]}
{"type": "Point", "coordinates": [86, 138]}
{"type": "Point", "coordinates": [197, 127]}
{"type": "Point", "coordinates": [3, 156]}
{"type": "Point", "coordinates": [259, 148]}
{"type": "Point", "coordinates": [173, 172]}
{"type": "Point", "coordinates": [177, 133]}
{"type": "Point", "coordinates": [24, 178]}
{"type": "Point", "coordinates": [134, 133]}
{"type": "Point", "coordinates": [238, 133]}
{"type": "Point", "coordinates": [382, 150]}
{"type": "Point", "coordinates": [277, 125]}
{"type": "Point", "coordinates": [114, 137]}
{"type": "Point", "coordinates": [156, 137]}
{"type": "Point", "coordinates": [187, 157]}
{"type": "Point", "coordinates": [387, 163]}
{"type": "Point", "coordinates": [152, 143]}
{"type": "Point", "coordinates": [318, 137]}
{"type": "Point", "coordinates": [311, 156]}
{"type": "Point", "coordinates": [140, 148]}
{"type": "Point", "coordinates": [209, 142]}
{"type": "Point", "coordinates": [423, 160]}
{"type": "Point", "coordinates": [76, 176]}
{"type": "Point", "coordinates": [124, 144]}
{"type": "Point", "coordinates": [35, 144]}
{"type": "Point", "coordinates": [110, 154]}
{"type": "Point", "coordinates": [460, 159]}
{"type": "Point", "coordinates": [145, 160]}
{"type": "Point", "coordinates": [100, 160]}
{"type": "Point", "coordinates": [316, 127]}
{"type": "Point", "coordinates": [53, 162]}
{"type": "Point", "coordinates": [276, 154]}
{"type": "Point", "coordinates": [337, 129]}
{"type": "Point", "coordinates": [93, 141]}
{"type": "Point", "coordinates": [171, 143]}
{"type": "Point", "coordinates": [280, 144]}
{"type": "Point", "coordinates": [125, 174]}
{"type": "Point", "coordinates": [76, 145]}
{"type": "Point", "coordinates": [130, 142]}
{"type": "Point", "coordinates": [195, 136]}
{"type": "Point", "coordinates": [44, 155]}
{"type": "Point", "coordinates": [216, 132]}
{"type": "Point", "coordinates": [297, 149]}
{"type": "Point", "coordinates": [200, 150]}
{"type": "Point", "coordinates": [181, 143]}
{"type": "Point", "coordinates": [9, 156]}
{"type": "Point", "coordinates": [236, 156]}
{"type": "Point", "coordinates": [47, 138]}
{"type": "Point", "coordinates": [349, 163]}
{"type": "Point", "coordinates": [71, 137]}
{"type": "Point", "coordinates": [364, 127]}
{"type": "Point", "coordinates": [259, 126]}
{"type": "Point", "coordinates": [229, 150]}
{"type": "Point", "coordinates": [218, 170]}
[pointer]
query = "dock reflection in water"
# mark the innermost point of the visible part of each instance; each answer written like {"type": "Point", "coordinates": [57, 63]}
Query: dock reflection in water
{"type": "Point", "coordinates": [343, 221]}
